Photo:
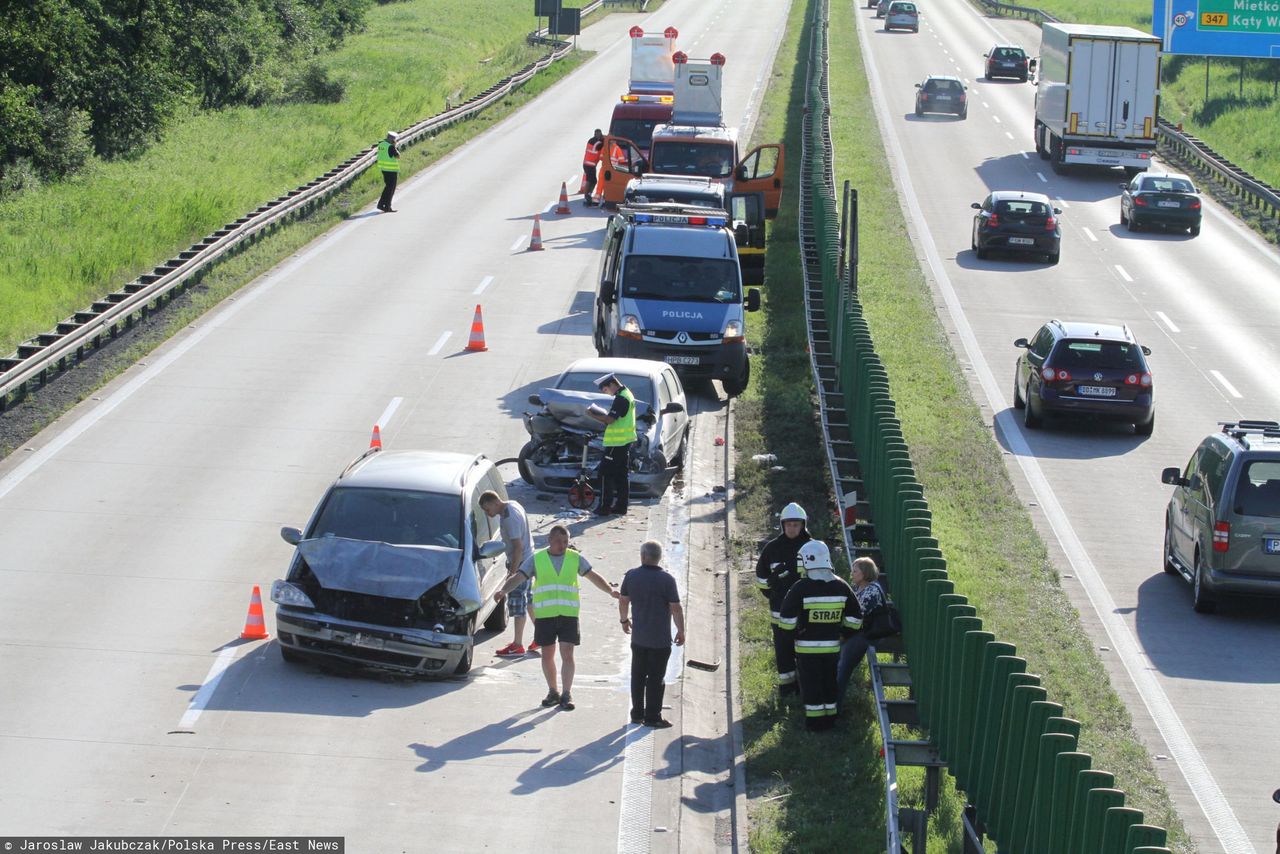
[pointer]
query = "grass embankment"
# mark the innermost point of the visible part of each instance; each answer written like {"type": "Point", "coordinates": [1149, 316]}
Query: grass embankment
{"type": "Point", "coordinates": [64, 245]}
{"type": "Point", "coordinates": [994, 553]}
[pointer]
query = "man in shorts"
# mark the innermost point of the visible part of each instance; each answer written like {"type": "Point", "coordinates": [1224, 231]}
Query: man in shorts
{"type": "Point", "coordinates": [519, 542]}
{"type": "Point", "coordinates": [555, 571]}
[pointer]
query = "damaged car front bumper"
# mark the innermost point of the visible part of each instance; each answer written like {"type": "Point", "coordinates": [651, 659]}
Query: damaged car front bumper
{"type": "Point", "coordinates": [418, 652]}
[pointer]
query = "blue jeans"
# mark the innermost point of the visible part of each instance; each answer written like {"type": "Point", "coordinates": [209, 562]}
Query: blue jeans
{"type": "Point", "coordinates": [851, 653]}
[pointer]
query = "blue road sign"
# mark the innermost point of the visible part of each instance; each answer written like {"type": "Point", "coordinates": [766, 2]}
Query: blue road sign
{"type": "Point", "coordinates": [1218, 27]}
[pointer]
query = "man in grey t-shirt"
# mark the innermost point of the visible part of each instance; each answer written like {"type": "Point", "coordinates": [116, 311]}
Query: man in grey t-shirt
{"type": "Point", "coordinates": [650, 593]}
{"type": "Point", "coordinates": [519, 542]}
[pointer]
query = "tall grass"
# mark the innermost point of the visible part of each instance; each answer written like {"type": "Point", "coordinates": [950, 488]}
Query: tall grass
{"type": "Point", "coordinates": [64, 245]}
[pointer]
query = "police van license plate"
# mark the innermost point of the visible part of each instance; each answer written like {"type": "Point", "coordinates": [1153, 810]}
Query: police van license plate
{"type": "Point", "coordinates": [1096, 390]}
{"type": "Point", "coordinates": [682, 360]}
{"type": "Point", "coordinates": [1022, 241]}
{"type": "Point", "coordinates": [1271, 545]}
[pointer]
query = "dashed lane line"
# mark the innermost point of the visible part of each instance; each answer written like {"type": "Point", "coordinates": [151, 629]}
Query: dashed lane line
{"type": "Point", "coordinates": [1231, 390]}
{"type": "Point", "coordinates": [1167, 322]}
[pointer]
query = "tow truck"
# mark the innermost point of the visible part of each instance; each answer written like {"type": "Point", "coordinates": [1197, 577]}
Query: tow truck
{"type": "Point", "coordinates": [696, 142]}
{"type": "Point", "coordinates": [650, 93]}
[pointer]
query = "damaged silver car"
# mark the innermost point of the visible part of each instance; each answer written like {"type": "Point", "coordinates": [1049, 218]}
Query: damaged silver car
{"type": "Point", "coordinates": [397, 567]}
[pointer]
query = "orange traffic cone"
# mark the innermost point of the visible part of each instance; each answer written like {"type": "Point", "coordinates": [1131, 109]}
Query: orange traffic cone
{"type": "Point", "coordinates": [563, 208]}
{"type": "Point", "coordinates": [582, 190]}
{"type": "Point", "coordinates": [376, 441]}
{"type": "Point", "coordinates": [535, 242]}
{"type": "Point", "coordinates": [476, 343]}
{"type": "Point", "coordinates": [255, 627]}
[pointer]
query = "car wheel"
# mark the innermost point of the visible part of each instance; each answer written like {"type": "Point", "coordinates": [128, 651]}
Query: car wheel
{"type": "Point", "coordinates": [986, 75]}
{"type": "Point", "coordinates": [1145, 429]}
{"type": "Point", "coordinates": [735, 387]}
{"type": "Point", "coordinates": [1030, 418]}
{"type": "Point", "coordinates": [293, 656]}
{"type": "Point", "coordinates": [1132, 223]}
{"type": "Point", "coordinates": [468, 652]}
{"type": "Point", "coordinates": [1018, 402]}
{"type": "Point", "coordinates": [1040, 149]}
{"type": "Point", "coordinates": [497, 620]}
{"type": "Point", "coordinates": [1168, 550]}
{"type": "Point", "coordinates": [1124, 220]}
{"type": "Point", "coordinates": [678, 460]}
{"type": "Point", "coordinates": [1201, 600]}
{"type": "Point", "coordinates": [919, 112]}
{"type": "Point", "coordinates": [964, 114]}
{"type": "Point", "coordinates": [522, 462]}
{"type": "Point", "coordinates": [1195, 230]}
{"type": "Point", "coordinates": [982, 253]}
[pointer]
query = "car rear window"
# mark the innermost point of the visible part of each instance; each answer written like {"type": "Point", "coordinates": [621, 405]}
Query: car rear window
{"type": "Point", "coordinates": [1098, 355]}
{"type": "Point", "coordinates": [401, 517]}
{"type": "Point", "coordinates": [1009, 53]}
{"type": "Point", "coordinates": [902, 7]}
{"type": "Point", "coordinates": [1022, 207]}
{"type": "Point", "coordinates": [1258, 492]}
{"type": "Point", "coordinates": [1167, 185]}
{"type": "Point", "coordinates": [942, 86]}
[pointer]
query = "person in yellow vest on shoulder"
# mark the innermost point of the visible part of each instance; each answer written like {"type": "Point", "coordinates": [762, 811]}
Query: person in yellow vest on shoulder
{"type": "Point", "coordinates": [555, 571]}
{"type": "Point", "coordinates": [389, 164]}
{"type": "Point", "coordinates": [619, 436]}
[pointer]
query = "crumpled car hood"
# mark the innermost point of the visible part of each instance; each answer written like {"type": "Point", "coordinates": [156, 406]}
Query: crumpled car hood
{"type": "Point", "coordinates": [382, 569]}
{"type": "Point", "coordinates": [570, 407]}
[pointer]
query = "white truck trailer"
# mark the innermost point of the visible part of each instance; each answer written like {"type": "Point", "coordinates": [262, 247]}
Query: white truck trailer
{"type": "Point", "coordinates": [1097, 96]}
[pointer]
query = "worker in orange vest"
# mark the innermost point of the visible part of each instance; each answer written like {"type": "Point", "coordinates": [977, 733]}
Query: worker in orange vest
{"type": "Point", "coordinates": [590, 158]}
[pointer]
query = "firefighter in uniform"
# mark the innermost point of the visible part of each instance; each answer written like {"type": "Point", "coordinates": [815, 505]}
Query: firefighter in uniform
{"type": "Point", "coordinates": [819, 609]}
{"type": "Point", "coordinates": [590, 159]}
{"type": "Point", "coordinates": [389, 165]}
{"type": "Point", "coordinates": [776, 571]}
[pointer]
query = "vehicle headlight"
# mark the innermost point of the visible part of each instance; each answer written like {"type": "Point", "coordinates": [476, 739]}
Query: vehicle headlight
{"type": "Point", "coordinates": [630, 326]}
{"type": "Point", "coordinates": [284, 593]}
{"type": "Point", "coordinates": [733, 331]}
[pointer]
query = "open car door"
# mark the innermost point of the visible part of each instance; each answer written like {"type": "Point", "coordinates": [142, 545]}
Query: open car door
{"type": "Point", "coordinates": [620, 161]}
{"type": "Point", "coordinates": [746, 212]}
{"type": "Point", "coordinates": [761, 172]}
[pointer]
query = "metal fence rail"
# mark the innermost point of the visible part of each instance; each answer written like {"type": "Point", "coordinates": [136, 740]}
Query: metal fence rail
{"type": "Point", "coordinates": [1252, 191]}
{"type": "Point", "coordinates": [36, 360]}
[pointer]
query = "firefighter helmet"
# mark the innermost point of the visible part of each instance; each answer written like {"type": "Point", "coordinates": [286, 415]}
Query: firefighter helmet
{"type": "Point", "coordinates": [793, 512]}
{"type": "Point", "coordinates": [815, 555]}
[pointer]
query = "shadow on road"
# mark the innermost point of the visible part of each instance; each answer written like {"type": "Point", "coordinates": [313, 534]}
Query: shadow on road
{"type": "Point", "coordinates": [1071, 438]}
{"type": "Point", "coordinates": [481, 743]}
{"type": "Point", "coordinates": [572, 766]}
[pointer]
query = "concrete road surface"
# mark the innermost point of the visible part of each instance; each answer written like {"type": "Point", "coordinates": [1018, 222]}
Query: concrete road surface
{"type": "Point", "coordinates": [132, 531]}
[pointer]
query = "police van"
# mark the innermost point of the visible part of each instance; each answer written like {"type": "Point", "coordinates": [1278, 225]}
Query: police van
{"type": "Point", "coordinates": [670, 289]}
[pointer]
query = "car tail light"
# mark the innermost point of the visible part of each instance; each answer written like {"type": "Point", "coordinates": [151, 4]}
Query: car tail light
{"type": "Point", "coordinates": [1143, 380]}
{"type": "Point", "coordinates": [1195, 204]}
{"type": "Point", "coordinates": [1050, 224]}
{"type": "Point", "coordinates": [1055, 374]}
{"type": "Point", "coordinates": [924, 96]}
{"type": "Point", "coordinates": [962, 98]}
{"type": "Point", "coordinates": [1139, 201]}
{"type": "Point", "coordinates": [993, 221]}
{"type": "Point", "coordinates": [1221, 536]}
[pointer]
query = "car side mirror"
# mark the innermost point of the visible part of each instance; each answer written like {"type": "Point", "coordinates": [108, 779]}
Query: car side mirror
{"type": "Point", "coordinates": [536, 399]}
{"type": "Point", "coordinates": [672, 408]}
{"type": "Point", "coordinates": [753, 299]}
{"type": "Point", "coordinates": [1172, 476]}
{"type": "Point", "coordinates": [1057, 210]}
{"type": "Point", "coordinates": [1031, 65]}
{"type": "Point", "coordinates": [919, 85]}
{"type": "Point", "coordinates": [741, 173]}
{"type": "Point", "coordinates": [491, 549]}
{"type": "Point", "coordinates": [1123, 186]}
{"type": "Point", "coordinates": [292, 536]}
{"type": "Point", "coordinates": [1146, 351]}
{"type": "Point", "coordinates": [977, 206]}
{"type": "Point", "coordinates": [1022, 343]}
{"type": "Point", "coordinates": [608, 289]}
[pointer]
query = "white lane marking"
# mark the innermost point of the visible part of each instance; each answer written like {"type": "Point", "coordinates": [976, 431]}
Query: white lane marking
{"type": "Point", "coordinates": [1089, 234]}
{"type": "Point", "coordinates": [1025, 156]}
{"type": "Point", "coordinates": [1006, 133]}
{"type": "Point", "coordinates": [1217, 375]}
{"type": "Point", "coordinates": [1043, 179]}
{"type": "Point", "coordinates": [550, 206]}
{"type": "Point", "coordinates": [995, 118]}
{"type": "Point", "coordinates": [1123, 274]}
{"type": "Point", "coordinates": [202, 697]}
{"type": "Point", "coordinates": [1167, 322]}
{"type": "Point", "coordinates": [435, 349]}
{"type": "Point", "coordinates": [389, 412]}
{"type": "Point", "coordinates": [519, 242]}
{"type": "Point", "coordinates": [985, 104]}
{"type": "Point", "coordinates": [484, 283]}
{"type": "Point", "coordinates": [1199, 778]}
{"type": "Point", "coordinates": [1062, 203]}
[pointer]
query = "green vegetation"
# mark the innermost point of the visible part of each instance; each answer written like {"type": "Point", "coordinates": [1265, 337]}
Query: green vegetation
{"type": "Point", "coordinates": [799, 801]}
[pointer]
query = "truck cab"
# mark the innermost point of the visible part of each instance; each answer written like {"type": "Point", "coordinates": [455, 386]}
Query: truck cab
{"type": "Point", "coordinates": [670, 289]}
{"type": "Point", "coordinates": [695, 143]}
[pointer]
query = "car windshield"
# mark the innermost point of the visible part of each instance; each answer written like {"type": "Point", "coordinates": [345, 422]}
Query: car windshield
{"type": "Point", "coordinates": [1167, 185]}
{"type": "Point", "coordinates": [942, 86]}
{"type": "Point", "coordinates": [1099, 355]}
{"type": "Point", "coordinates": [680, 278]}
{"type": "Point", "coordinates": [639, 131]}
{"type": "Point", "coordinates": [641, 387]}
{"type": "Point", "coordinates": [401, 517]}
{"type": "Point", "coordinates": [1022, 207]}
{"type": "Point", "coordinates": [710, 159]}
{"type": "Point", "coordinates": [1258, 493]}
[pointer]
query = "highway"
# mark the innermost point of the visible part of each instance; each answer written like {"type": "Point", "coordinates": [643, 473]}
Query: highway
{"type": "Point", "coordinates": [1202, 688]}
{"type": "Point", "coordinates": [132, 530]}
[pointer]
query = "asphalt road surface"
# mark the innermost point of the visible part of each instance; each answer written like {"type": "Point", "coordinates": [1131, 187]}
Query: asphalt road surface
{"type": "Point", "coordinates": [132, 530]}
{"type": "Point", "coordinates": [1202, 688]}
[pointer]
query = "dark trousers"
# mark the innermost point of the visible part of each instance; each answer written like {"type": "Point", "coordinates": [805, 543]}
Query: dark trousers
{"type": "Point", "coordinates": [818, 688]}
{"type": "Point", "coordinates": [648, 666]}
{"type": "Point", "coordinates": [388, 190]}
{"type": "Point", "coordinates": [784, 655]}
{"type": "Point", "coordinates": [589, 173]}
{"type": "Point", "coordinates": [851, 653]}
{"type": "Point", "coordinates": [615, 491]}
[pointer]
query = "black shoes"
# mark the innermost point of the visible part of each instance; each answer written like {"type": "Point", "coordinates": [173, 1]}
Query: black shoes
{"type": "Point", "coordinates": [566, 703]}
{"type": "Point", "coordinates": [660, 723]}
{"type": "Point", "coordinates": [552, 699]}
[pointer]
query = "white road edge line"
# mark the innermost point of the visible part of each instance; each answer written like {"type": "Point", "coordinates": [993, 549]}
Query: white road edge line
{"type": "Point", "coordinates": [1089, 233]}
{"type": "Point", "coordinates": [389, 412]}
{"type": "Point", "coordinates": [435, 348]}
{"type": "Point", "coordinates": [1201, 781]}
{"type": "Point", "coordinates": [205, 694]}
{"type": "Point", "coordinates": [1124, 275]}
{"type": "Point", "coordinates": [1062, 203]}
{"type": "Point", "coordinates": [519, 242]}
{"type": "Point", "coordinates": [1167, 322]}
{"type": "Point", "coordinates": [1217, 375]}
{"type": "Point", "coordinates": [484, 283]}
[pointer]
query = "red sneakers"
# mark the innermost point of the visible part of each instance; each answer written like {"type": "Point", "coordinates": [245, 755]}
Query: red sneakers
{"type": "Point", "coordinates": [510, 651]}
{"type": "Point", "coordinates": [533, 647]}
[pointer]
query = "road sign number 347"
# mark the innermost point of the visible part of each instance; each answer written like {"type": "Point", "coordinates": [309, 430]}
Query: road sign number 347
{"type": "Point", "coordinates": [1213, 19]}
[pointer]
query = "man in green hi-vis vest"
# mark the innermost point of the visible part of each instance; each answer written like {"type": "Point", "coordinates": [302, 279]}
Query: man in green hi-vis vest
{"type": "Point", "coordinates": [555, 571]}
{"type": "Point", "coordinates": [619, 435]}
{"type": "Point", "coordinates": [389, 163]}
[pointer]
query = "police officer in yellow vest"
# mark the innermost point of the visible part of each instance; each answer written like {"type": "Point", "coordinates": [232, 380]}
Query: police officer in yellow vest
{"type": "Point", "coordinates": [389, 163]}
{"type": "Point", "coordinates": [619, 436]}
{"type": "Point", "coordinates": [555, 571]}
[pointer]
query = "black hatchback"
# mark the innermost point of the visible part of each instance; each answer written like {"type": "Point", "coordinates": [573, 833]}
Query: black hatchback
{"type": "Point", "coordinates": [1006, 60]}
{"type": "Point", "coordinates": [1014, 221]}
{"type": "Point", "coordinates": [941, 93]}
{"type": "Point", "coordinates": [1089, 369]}
{"type": "Point", "coordinates": [1164, 199]}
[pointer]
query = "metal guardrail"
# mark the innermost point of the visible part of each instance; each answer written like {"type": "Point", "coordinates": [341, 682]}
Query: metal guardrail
{"type": "Point", "coordinates": [36, 360]}
{"type": "Point", "coordinates": [1253, 191]}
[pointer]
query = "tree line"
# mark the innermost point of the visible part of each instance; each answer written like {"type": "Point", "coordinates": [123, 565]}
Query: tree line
{"type": "Point", "coordinates": [80, 78]}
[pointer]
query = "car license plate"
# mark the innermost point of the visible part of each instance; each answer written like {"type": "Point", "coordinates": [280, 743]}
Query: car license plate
{"type": "Point", "coordinates": [1097, 390]}
{"type": "Point", "coordinates": [366, 641]}
{"type": "Point", "coordinates": [942, 97]}
{"type": "Point", "coordinates": [682, 360]}
{"type": "Point", "coordinates": [1271, 545]}
{"type": "Point", "coordinates": [1168, 204]}
{"type": "Point", "coordinates": [1022, 241]}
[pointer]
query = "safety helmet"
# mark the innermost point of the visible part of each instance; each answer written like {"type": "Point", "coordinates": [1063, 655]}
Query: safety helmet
{"type": "Point", "coordinates": [793, 512]}
{"type": "Point", "coordinates": [815, 555]}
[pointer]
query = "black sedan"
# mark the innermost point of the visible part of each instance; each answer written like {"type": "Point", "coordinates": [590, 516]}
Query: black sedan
{"type": "Point", "coordinates": [1014, 221]}
{"type": "Point", "coordinates": [941, 94]}
{"type": "Point", "coordinates": [1159, 198]}
{"type": "Point", "coordinates": [1006, 60]}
